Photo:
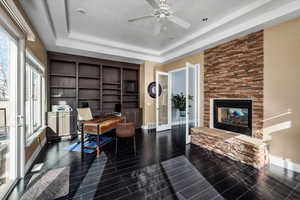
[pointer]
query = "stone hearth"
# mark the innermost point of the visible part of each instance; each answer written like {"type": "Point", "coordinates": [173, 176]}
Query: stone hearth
{"type": "Point", "coordinates": [243, 148]}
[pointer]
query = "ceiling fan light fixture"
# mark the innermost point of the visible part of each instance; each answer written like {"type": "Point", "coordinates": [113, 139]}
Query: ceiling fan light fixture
{"type": "Point", "coordinates": [162, 12]}
{"type": "Point", "coordinates": [81, 11]}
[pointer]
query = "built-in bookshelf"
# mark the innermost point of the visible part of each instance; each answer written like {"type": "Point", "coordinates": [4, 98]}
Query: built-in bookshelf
{"type": "Point", "coordinates": [101, 83]}
{"type": "Point", "coordinates": [63, 82]}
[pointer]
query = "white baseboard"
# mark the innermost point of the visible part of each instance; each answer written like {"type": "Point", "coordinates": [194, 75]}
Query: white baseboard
{"type": "Point", "coordinates": [181, 122]}
{"type": "Point", "coordinates": [284, 163]}
{"type": "Point", "coordinates": [153, 125]}
{"type": "Point", "coordinates": [34, 155]}
{"type": "Point", "coordinates": [149, 126]}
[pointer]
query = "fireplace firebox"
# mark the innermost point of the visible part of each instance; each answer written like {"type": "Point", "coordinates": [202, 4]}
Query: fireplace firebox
{"type": "Point", "coordinates": [233, 115]}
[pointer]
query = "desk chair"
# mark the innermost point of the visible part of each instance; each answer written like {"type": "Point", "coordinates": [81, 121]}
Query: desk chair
{"type": "Point", "coordinates": [125, 130]}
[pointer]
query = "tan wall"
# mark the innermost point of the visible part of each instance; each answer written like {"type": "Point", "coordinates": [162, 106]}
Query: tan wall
{"type": "Point", "coordinates": [147, 103]}
{"type": "Point", "coordinates": [148, 75]}
{"type": "Point", "coordinates": [282, 89]}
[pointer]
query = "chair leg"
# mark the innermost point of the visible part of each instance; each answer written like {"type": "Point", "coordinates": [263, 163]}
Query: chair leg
{"type": "Point", "coordinates": [116, 150]}
{"type": "Point", "coordinates": [134, 145]}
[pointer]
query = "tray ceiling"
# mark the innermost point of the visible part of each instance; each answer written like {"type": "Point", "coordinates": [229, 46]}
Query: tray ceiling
{"type": "Point", "coordinates": [101, 28]}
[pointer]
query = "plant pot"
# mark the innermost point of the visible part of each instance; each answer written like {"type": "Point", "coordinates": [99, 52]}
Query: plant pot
{"type": "Point", "coordinates": [182, 113]}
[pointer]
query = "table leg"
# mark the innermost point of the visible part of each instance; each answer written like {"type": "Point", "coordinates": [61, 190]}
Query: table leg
{"type": "Point", "coordinates": [98, 142]}
{"type": "Point", "coordinates": [82, 138]}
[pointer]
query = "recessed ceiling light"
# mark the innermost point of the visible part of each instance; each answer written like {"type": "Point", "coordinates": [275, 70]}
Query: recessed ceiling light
{"type": "Point", "coordinates": [205, 19]}
{"type": "Point", "coordinates": [81, 11]}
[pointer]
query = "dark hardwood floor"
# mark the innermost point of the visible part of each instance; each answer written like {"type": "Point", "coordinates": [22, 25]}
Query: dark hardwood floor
{"type": "Point", "coordinates": [164, 168]}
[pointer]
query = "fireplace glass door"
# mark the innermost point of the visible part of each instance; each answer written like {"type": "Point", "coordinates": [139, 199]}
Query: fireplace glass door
{"type": "Point", "coordinates": [233, 115]}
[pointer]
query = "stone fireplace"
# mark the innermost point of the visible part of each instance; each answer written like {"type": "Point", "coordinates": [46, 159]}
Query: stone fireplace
{"type": "Point", "coordinates": [234, 70]}
{"type": "Point", "coordinates": [233, 101]}
{"type": "Point", "coordinates": [233, 115]}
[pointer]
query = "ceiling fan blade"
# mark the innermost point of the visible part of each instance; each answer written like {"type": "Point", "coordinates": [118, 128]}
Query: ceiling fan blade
{"type": "Point", "coordinates": [140, 18]}
{"type": "Point", "coordinates": [153, 4]}
{"type": "Point", "coordinates": [180, 22]}
{"type": "Point", "coordinates": [157, 28]}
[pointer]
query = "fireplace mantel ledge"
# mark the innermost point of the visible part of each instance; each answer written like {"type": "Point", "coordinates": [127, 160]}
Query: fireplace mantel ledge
{"type": "Point", "coordinates": [243, 148]}
{"type": "Point", "coordinates": [226, 135]}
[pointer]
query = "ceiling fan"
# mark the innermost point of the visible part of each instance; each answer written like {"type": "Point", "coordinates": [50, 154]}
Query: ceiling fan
{"type": "Point", "coordinates": [162, 12]}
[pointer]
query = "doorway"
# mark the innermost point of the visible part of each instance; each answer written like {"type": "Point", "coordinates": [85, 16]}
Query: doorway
{"type": "Point", "coordinates": [184, 104]}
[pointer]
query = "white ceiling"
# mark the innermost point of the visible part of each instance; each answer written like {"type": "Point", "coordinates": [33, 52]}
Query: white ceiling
{"type": "Point", "coordinates": [104, 31]}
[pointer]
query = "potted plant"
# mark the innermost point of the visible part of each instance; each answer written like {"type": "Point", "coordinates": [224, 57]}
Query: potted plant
{"type": "Point", "coordinates": [179, 101]}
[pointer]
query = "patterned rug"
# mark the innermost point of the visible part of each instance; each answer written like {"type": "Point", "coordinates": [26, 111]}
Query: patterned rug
{"type": "Point", "coordinates": [52, 184]}
{"type": "Point", "coordinates": [92, 144]}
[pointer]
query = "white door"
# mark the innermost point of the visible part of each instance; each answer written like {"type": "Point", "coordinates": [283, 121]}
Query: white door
{"type": "Point", "coordinates": [163, 102]}
{"type": "Point", "coordinates": [191, 99]}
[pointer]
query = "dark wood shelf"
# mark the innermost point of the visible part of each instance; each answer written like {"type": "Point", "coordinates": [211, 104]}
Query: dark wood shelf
{"type": "Point", "coordinates": [62, 87]}
{"type": "Point", "coordinates": [130, 101]}
{"type": "Point", "coordinates": [111, 95]}
{"type": "Point", "coordinates": [112, 101]}
{"type": "Point", "coordinates": [131, 94]}
{"type": "Point", "coordinates": [86, 88]}
{"type": "Point", "coordinates": [111, 88]}
{"type": "Point", "coordinates": [62, 97]}
{"type": "Point", "coordinates": [111, 83]}
{"type": "Point", "coordinates": [63, 75]}
{"type": "Point", "coordinates": [89, 99]}
{"type": "Point", "coordinates": [89, 77]}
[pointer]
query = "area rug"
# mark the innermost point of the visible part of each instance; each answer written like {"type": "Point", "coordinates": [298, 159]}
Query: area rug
{"type": "Point", "coordinates": [92, 144]}
{"type": "Point", "coordinates": [52, 184]}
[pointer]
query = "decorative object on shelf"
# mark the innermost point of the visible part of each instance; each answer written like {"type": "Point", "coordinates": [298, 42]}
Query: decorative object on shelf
{"type": "Point", "coordinates": [179, 101]}
{"type": "Point", "coordinates": [130, 86]}
{"type": "Point", "coordinates": [152, 89]}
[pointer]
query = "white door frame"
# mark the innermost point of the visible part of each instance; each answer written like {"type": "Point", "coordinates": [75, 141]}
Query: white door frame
{"type": "Point", "coordinates": [195, 99]}
{"type": "Point", "coordinates": [196, 92]}
{"type": "Point", "coordinates": [166, 126]}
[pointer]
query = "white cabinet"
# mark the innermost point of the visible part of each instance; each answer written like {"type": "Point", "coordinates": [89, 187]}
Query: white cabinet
{"type": "Point", "coordinates": [61, 124]}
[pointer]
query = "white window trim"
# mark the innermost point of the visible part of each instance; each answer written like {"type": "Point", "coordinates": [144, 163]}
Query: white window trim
{"type": "Point", "coordinates": [39, 68]}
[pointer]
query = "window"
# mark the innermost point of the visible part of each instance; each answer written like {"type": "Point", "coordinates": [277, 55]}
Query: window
{"type": "Point", "coordinates": [33, 101]}
{"type": "Point", "coordinates": [8, 66]}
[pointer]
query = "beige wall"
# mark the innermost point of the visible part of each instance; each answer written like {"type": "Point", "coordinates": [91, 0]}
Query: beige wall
{"type": "Point", "coordinates": [148, 71]}
{"type": "Point", "coordinates": [147, 103]}
{"type": "Point", "coordinates": [282, 89]}
{"type": "Point", "coordinates": [197, 58]}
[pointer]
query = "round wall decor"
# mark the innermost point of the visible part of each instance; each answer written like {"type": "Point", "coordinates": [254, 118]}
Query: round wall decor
{"type": "Point", "coordinates": [152, 90]}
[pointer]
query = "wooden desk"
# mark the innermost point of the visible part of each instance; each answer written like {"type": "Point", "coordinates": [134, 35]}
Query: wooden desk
{"type": "Point", "coordinates": [99, 126]}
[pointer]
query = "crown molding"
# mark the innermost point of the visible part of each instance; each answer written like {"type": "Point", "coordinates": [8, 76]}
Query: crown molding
{"type": "Point", "coordinates": [214, 34]}
{"type": "Point", "coordinates": [18, 18]}
{"type": "Point", "coordinates": [261, 22]}
{"type": "Point", "coordinates": [111, 44]}
{"type": "Point", "coordinates": [232, 16]}
{"type": "Point", "coordinates": [86, 46]}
